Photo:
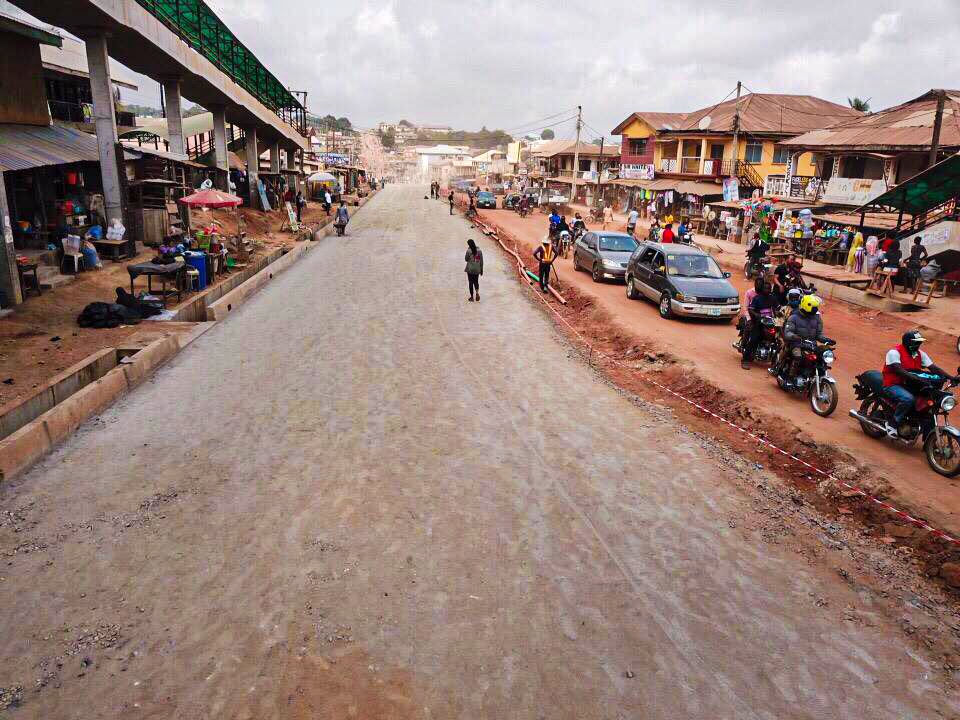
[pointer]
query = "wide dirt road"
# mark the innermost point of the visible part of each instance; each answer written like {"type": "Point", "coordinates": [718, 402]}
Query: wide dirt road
{"type": "Point", "coordinates": [362, 496]}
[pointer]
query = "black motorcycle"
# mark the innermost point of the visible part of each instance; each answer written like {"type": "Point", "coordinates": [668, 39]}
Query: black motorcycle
{"type": "Point", "coordinates": [927, 420]}
{"type": "Point", "coordinates": [811, 375]}
{"type": "Point", "coordinates": [756, 266]}
{"type": "Point", "coordinates": [770, 343]}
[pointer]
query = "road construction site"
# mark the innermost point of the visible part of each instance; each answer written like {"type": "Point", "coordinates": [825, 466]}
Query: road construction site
{"type": "Point", "coordinates": [698, 356]}
{"type": "Point", "coordinates": [362, 496]}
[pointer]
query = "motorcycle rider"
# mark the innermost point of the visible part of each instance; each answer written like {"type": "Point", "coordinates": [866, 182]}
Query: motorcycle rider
{"type": "Point", "coordinates": [579, 226]}
{"type": "Point", "coordinates": [788, 275]}
{"type": "Point", "coordinates": [756, 252]}
{"type": "Point", "coordinates": [763, 301]}
{"type": "Point", "coordinates": [524, 204]}
{"type": "Point", "coordinates": [554, 222]}
{"type": "Point", "coordinates": [804, 323]}
{"type": "Point", "coordinates": [900, 365]}
{"type": "Point", "coordinates": [743, 323]}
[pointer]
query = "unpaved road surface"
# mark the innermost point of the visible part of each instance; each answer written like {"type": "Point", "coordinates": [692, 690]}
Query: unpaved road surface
{"type": "Point", "coordinates": [863, 337]}
{"type": "Point", "coordinates": [361, 496]}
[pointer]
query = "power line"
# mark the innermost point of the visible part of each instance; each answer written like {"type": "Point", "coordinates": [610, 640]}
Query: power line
{"type": "Point", "coordinates": [533, 124]}
{"type": "Point", "coordinates": [707, 114]}
{"type": "Point", "coordinates": [797, 110]}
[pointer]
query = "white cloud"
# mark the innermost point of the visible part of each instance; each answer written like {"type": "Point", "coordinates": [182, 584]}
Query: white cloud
{"type": "Point", "coordinates": [375, 21]}
{"type": "Point", "coordinates": [428, 29]}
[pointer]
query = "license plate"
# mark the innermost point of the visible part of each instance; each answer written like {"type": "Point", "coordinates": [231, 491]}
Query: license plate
{"type": "Point", "coordinates": [715, 311]}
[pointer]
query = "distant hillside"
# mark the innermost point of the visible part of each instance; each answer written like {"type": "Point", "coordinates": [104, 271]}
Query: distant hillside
{"type": "Point", "coordinates": [482, 138]}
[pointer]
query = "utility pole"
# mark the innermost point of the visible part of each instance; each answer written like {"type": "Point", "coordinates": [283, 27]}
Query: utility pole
{"type": "Point", "coordinates": [576, 155]}
{"type": "Point", "coordinates": [600, 168]}
{"type": "Point", "coordinates": [736, 131]}
{"type": "Point", "coordinates": [937, 122]}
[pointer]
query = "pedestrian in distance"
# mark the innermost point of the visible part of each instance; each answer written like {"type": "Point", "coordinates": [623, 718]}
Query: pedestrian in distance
{"type": "Point", "coordinates": [301, 203]}
{"type": "Point", "coordinates": [450, 200]}
{"type": "Point", "coordinates": [342, 218]}
{"type": "Point", "coordinates": [473, 269]}
{"type": "Point", "coordinates": [327, 201]}
{"type": "Point", "coordinates": [545, 255]}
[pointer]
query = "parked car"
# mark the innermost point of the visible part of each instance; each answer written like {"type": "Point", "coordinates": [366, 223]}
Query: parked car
{"type": "Point", "coordinates": [498, 189]}
{"type": "Point", "coordinates": [486, 199]}
{"type": "Point", "coordinates": [683, 280]}
{"type": "Point", "coordinates": [604, 254]}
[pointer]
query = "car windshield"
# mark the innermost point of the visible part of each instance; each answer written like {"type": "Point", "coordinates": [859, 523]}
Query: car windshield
{"type": "Point", "coordinates": [618, 243]}
{"type": "Point", "coordinates": [485, 195]}
{"type": "Point", "coordinates": [693, 266]}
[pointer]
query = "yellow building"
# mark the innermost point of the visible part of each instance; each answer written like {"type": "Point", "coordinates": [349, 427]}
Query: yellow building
{"type": "Point", "coordinates": [700, 144]}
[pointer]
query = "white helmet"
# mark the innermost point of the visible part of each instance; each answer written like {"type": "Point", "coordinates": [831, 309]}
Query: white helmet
{"type": "Point", "coordinates": [564, 233]}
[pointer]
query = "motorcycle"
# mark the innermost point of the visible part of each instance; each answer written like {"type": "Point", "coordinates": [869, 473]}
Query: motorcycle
{"type": "Point", "coordinates": [686, 238]}
{"type": "Point", "coordinates": [757, 266]}
{"type": "Point", "coordinates": [770, 343]}
{"type": "Point", "coordinates": [927, 421]}
{"type": "Point", "coordinates": [811, 375]}
{"type": "Point", "coordinates": [596, 214]}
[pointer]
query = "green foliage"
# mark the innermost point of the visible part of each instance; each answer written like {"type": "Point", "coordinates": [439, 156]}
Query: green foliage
{"type": "Point", "coordinates": [329, 123]}
{"type": "Point", "coordinates": [547, 134]}
{"type": "Point", "coordinates": [387, 139]}
{"type": "Point", "coordinates": [483, 138]}
{"type": "Point", "coordinates": [142, 110]}
{"type": "Point", "coordinates": [405, 123]}
{"type": "Point", "coordinates": [195, 110]}
{"type": "Point", "coordinates": [858, 104]}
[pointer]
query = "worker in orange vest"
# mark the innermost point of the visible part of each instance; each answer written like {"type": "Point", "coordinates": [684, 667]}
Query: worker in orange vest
{"type": "Point", "coordinates": [545, 255]}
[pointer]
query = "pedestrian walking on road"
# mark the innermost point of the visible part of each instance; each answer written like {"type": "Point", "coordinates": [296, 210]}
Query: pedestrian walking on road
{"type": "Point", "coordinates": [301, 203]}
{"type": "Point", "coordinates": [474, 268]}
{"type": "Point", "coordinates": [632, 219]}
{"type": "Point", "coordinates": [450, 200]}
{"type": "Point", "coordinates": [607, 216]}
{"type": "Point", "coordinates": [545, 255]}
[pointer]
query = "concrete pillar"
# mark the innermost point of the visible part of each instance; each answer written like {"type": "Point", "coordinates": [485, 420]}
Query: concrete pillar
{"type": "Point", "coordinates": [704, 154]}
{"type": "Point", "coordinates": [275, 158]}
{"type": "Point", "coordinates": [171, 92]}
{"type": "Point", "coordinates": [220, 157]}
{"type": "Point", "coordinates": [105, 120]}
{"type": "Point", "coordinates": [679, 155]}
{"type": "Point", "coordinates": [292, 165]}
{"type": "Point", "coordinates": [253, 164]}
{"type": "Point", "coordinates": [9, 278]}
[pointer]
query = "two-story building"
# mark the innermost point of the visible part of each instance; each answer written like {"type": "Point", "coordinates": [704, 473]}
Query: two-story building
{"type": "Point", "coordinates": [553, 160]}
{"type": "Point", "coordinates": [859, 159]}
{"type": "Point", "coordinates": [699, 145]}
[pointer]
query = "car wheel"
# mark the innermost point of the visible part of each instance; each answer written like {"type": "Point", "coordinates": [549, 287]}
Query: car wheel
{"type": "Point", "coordinates": [631, 289]}
{"type": "Point", "coordinates": [666, 311]}
{"type": "Point", "coordinates": [576, 265]}
{"type": "Point", "coordinates": [597, 273]}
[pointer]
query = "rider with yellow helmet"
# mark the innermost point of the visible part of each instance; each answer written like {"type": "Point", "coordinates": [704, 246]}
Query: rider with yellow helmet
{"type": "Point", "coordinates": [804, 323]}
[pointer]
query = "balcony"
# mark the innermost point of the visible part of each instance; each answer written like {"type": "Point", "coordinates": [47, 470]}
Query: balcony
{"type": "Point", "coordinates": [83, 113]}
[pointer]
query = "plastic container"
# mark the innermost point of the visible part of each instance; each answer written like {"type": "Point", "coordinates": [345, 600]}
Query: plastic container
{"type": "Point", "coordinates": [199, 262]}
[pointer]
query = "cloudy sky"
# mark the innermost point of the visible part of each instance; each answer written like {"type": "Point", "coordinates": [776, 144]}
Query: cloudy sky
{"type": "Point", "coordinates": [506, 63]}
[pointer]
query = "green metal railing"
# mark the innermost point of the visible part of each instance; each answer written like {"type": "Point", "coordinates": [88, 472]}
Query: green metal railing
{"type": "Point", "coordinates": [201, 29]}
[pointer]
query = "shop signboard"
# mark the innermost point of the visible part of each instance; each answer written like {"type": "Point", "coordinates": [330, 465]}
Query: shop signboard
{"type": "Point", "coordinates": [938, 237]}
{"type": "Point", "coordinates": [636, 172]}
{"type": "Point", "coordinates": [334, 158]}
{"type": "Point", "coordinates": [853, 191]}
{"type": "Point", "coordinates": [731, 189]}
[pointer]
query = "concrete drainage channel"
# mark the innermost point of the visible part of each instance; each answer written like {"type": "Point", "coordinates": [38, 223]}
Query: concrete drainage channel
{"type": "Point", "coordinates": [32, 427]}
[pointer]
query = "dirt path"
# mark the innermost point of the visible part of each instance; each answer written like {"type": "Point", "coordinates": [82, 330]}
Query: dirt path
{"type": "Point", "coordinates": [362, 496]}
{"type": "Point", "coordinates": [863, 336]}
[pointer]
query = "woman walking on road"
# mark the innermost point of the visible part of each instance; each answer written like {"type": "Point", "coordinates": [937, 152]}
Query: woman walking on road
{"type": "Point", "coordinates": [474, 268]}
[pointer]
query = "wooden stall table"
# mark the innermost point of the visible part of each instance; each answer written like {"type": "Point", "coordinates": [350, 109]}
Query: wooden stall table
{"type": "Point", "coordinates": [882, 282]}
{"type": "Point", "coordinates": [22, 270]}
{"type": "Point", "coordinates": [174, 271]}
{"type": "Point", "coordinates": [838, 275]}
{"type": "Point", "coordinates": [119, 249]}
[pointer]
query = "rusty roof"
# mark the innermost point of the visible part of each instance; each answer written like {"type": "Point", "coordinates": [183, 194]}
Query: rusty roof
{"type": "Point", "coordinates": [908, 126]}
{"type": "Point", "coordinates": [760, 113]}
{"type": "Point", "coordinates": [550, 148]}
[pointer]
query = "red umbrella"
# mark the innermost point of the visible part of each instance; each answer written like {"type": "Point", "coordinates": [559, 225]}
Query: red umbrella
{"type": "Point", "coordinates": [211, 199]}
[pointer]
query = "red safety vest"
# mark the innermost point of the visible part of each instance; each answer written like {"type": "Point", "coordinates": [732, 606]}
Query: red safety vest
{"type": "Point", "coordinates": [909, 363]}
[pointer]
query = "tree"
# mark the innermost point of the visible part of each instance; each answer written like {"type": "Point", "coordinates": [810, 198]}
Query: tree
{"type": "Point", "coordinates": [405, 123]}
{"type": "Point", "coordinates": [344, 125]}
{"type": "Point", "coordinates": [858, 104]}
{"type": "Point", "coordinates": [547, 134]}
{"type": "Point", "coordinates": [387, 139]}
{"type": "Point", "coordinates": [599, 142]}
{"type": "Point", "coordinates": [195, 110]}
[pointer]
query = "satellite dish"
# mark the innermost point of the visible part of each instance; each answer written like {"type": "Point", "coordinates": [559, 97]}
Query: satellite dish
{"type": "Point", "coordinates": [704, 122]}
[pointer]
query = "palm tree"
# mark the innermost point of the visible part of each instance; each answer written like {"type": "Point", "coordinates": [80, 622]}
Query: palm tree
{"type": "Point", "coordinates": [858, 104]}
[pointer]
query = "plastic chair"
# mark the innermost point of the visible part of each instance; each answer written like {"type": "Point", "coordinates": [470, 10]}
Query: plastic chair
{"type": "Point", "coordinates": [71, 251]}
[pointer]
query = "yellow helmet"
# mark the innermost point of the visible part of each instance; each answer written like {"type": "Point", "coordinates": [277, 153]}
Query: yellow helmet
{"type": "Point", "coordinates": [809, 304]}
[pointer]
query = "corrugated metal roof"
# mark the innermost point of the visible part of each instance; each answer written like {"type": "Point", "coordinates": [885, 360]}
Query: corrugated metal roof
{"type": "Point", "coordinates": [908, 127]}
{"type": "Point", "coordinates": [71, 58]}
{"type": "Point", "coordinates": [761, 113]}
{"type": "Point", "coordinates": [28, 146]}
{"type": "Point", "coordinates": [549, 148]}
